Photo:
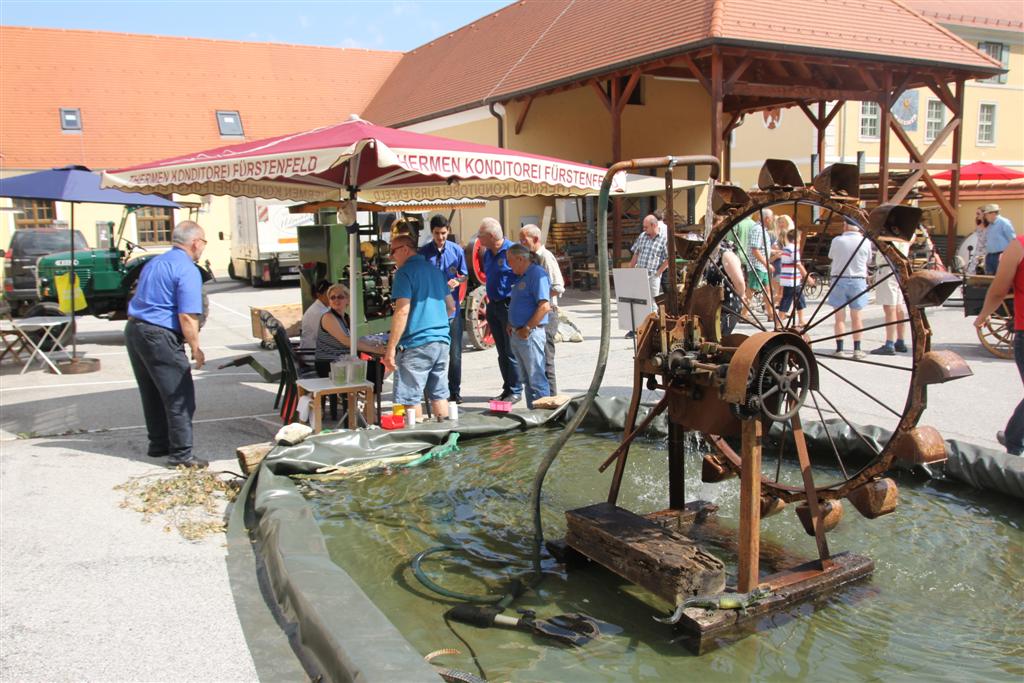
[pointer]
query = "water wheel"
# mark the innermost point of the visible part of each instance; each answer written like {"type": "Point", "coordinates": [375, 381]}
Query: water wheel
{"type": "Point", "coordinates": [475, 306]}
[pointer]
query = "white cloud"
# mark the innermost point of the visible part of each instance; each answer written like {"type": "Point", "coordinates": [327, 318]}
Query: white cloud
{"type": "Point", "coordinates": [303, 21]}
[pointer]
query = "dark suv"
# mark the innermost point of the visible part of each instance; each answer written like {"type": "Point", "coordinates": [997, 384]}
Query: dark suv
{"type": "Point", "coordinates": [27, 245]}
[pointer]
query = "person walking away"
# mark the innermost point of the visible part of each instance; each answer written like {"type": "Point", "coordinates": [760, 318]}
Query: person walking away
{"type": "Point", "coordinates": [650, 253]}
{"type": "Point", "coordinates": [998, 236]}
{"type": "Point", "coordinates": [163, 316]}
{"type": "Point", "coordinates": [849, 253]}
{"type": "Point", "coordinates": [529, 237]}
{"type": "Point", "coordinates": [527, 318]}
{"type": "Point", "coordinates": [757, 246]}
{"type": "Point", "coordinates": [1010, 277]}
{"type": "Point", "coordinates": [417, 349]}
{"type": "Point", "coordinates": [780, 229]}
{"type": "Point", "coordinates": [792, 274]}
{"type": "Point", "coordinates": [499, 289]}
{"type": "Point", "coordinates": [311, 320]}
{"type": "Point", "coordinates": [890, 296]}
{"type": "Point", "coordinates": [449, 258]}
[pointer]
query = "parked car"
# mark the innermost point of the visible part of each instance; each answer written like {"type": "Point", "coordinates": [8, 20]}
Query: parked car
{"type": "Point", "coordinates": [20, 261]}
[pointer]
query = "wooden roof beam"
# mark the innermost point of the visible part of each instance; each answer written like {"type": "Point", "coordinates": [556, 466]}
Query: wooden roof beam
{"type": "Point", "coordinates": [521, 119]}
{"type": "Point", "coordinates": [605, 100]}
{"type": "Point", "coordinates": [796, 93]}
{"type": "Point", "coordinates": [697, 73]}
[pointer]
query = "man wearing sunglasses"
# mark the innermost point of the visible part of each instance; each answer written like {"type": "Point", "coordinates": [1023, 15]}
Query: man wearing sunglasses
{"type": "Point", "coordinates": [417, 350]}
{"type": "Point", "coordinates": [163, 316]}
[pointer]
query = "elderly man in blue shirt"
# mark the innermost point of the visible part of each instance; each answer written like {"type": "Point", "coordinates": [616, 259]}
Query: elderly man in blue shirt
{"type": "Point", "coordinates": [998, 236]}
{"type": "Point", "coordinates": [499, 289]}
{"type": "Point", "coordinates": [449, 258]}
{"type": "Point", "coordinates": [163, 316]}
{"type": "Point", "coordinates": [417, 349]}
{"type": "Point", "coordinates": [527, 317]}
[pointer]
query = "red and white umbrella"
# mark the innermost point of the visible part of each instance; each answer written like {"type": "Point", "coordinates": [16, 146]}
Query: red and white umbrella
{"type": "Point", "coordinates": [357, 159]}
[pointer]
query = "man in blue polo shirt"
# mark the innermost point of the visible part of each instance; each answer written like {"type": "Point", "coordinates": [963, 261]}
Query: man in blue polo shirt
{"type": "Point", "coordinates": [998, 236]}
{"type": "Point", "coordinates": [499, 289]}
{"type": "Point", "coordinates": [449, 258]}
{"type": "Point", "coordinates": [417, 348]}
{"type": "Point", "coordinates": [527, 317]}
{"type": "Point", "coordinates": [162, 317]}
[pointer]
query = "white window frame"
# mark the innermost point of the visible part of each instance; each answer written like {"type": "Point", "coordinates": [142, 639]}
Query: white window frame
{"type": "Point", "coordinates": [878, 121]}
{"type": "Point", "coordinates": [1003, 58]}
{"type": "Point", "coordinates": [995, 119]}
{"type": "Point", "coordinates": [928, 119]}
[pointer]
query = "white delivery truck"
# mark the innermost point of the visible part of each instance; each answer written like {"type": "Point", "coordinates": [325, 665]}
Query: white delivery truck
{"type": "Point", "coordinates": [264, 241]}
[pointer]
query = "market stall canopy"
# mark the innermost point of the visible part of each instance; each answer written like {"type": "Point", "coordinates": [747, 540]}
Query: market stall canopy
{"type": "Point", "coordinates": [408, 207]}
{"type": "Point", "coordinates": [376, 163]}
{"type": "Point", "coordinates": [73, 184]}
{"type": "Point", "coordinates": [637, 185]}
{"type": "Point", "coordinates": [981, 170]}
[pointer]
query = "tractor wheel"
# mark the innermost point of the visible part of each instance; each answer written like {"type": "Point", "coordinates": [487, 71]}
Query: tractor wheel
{"type": "Point", "coordinates": [476, 319]}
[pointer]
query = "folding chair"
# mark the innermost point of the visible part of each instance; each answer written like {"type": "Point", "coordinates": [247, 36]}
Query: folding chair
{"type": "Point", "coordinates": [13, 340]}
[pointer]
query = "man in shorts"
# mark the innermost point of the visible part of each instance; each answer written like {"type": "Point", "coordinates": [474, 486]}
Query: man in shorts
{"type": "Point", "coordinates": [417, 348]}
{"type": "Point", "coordinates": [889, 295]}
{"type": "Point", "coordinates": [758, 247]}
{"type": "Point", "coordinates": [849, 253]}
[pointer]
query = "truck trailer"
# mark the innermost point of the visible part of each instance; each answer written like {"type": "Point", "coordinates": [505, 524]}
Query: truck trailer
{"type": "Point", "coordinates": [264, 241]}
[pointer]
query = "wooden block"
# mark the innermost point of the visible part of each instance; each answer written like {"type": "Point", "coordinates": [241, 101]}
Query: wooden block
{"type": "Point", "coordinates": [663, 561]}
{"type": "Point", "coordinates": [250, 457]}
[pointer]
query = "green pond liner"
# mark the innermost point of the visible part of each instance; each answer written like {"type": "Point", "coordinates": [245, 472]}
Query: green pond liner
{"type": "Point", "coordinates": [335, 630]}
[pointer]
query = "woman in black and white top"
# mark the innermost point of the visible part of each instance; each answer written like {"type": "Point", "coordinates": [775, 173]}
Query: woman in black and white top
{"type": "Point", "coordinates": [332, 339]}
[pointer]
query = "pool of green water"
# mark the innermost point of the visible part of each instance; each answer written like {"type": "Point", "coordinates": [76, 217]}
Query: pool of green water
{"type": "Point", "coordinates": [946, 601]}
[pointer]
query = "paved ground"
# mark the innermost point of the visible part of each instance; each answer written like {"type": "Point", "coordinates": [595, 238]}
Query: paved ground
{"type": "Point", "coordinates": [89, 591]}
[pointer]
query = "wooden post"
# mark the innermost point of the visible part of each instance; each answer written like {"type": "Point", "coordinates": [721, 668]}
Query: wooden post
{"type": "Point", "coordinates": [885, 104]}
{"type": "Point", "coordinates": [747, 577]}
{"type": "Point", "coordinates": [954, 183]}
{"type": "Point", "coordinates": [812, 495]}
{"type": "Point", "coordinates": [616, 112]}
{"type": "Point", "coordinates": [821, 125]}
{"type": "Point", "coordinates": [716, 103]}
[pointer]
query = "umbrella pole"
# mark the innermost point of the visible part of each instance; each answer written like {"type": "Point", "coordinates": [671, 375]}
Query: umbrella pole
{"type": "Point", "coordinates": [353, 250]}
{"type": "Point", "coordinates": [74, 340]}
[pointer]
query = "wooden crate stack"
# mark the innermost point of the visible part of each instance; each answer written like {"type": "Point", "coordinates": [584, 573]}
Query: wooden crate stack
{"type": "Point", "coordinates": [561, 235]}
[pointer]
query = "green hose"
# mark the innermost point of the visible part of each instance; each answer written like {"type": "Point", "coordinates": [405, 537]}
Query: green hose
{"type": "Point", "coordinates": [500, 600]}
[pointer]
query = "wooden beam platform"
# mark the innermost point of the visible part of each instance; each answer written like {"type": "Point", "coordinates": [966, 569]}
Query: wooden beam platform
{"type": "Point", "coordinates": [706, 630]}
{"type": "Point", "coordinates": [662, 560]}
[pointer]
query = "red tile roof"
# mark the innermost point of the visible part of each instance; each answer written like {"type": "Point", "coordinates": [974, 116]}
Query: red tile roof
{"type": "Point", "coordinates": [536, 44]}
{"type": "Point", "coordinates": [1005, 15]}
{"type": "Point", "coordinates": [149, 97]}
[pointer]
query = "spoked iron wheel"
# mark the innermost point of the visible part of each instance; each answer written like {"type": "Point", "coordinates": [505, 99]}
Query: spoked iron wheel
{"type": "Point", "coordinates": [794, 375]}
{"type": "Point", "coordinates": [997, 333]}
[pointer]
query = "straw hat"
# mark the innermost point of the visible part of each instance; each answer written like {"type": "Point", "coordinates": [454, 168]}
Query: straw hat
{"type": "Point", "coordinates": [990, 208]}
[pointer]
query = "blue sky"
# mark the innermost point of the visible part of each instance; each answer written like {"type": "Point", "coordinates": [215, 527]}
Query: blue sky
{"type": "Point", "coordinates": [381, 25]}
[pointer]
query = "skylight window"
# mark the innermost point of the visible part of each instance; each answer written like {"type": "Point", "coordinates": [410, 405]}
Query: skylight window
{"type": "Point", "coordinates": [230, 123]}
{"type": "Point", "coordinates": [70, 119]}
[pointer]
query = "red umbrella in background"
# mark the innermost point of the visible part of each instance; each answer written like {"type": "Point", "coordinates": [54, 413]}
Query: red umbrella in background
{"type": "Point", "coordinates": [981, 170]}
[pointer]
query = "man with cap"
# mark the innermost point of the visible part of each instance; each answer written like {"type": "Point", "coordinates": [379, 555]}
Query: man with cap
{"type": "Point", "coordinates": [527, 319]}
{"type": "Point", "coordinates": [998, 236]}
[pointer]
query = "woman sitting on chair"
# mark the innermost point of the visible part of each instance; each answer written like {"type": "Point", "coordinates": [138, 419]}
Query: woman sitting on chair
{"type": "Point", "coordinates": [332, 339]}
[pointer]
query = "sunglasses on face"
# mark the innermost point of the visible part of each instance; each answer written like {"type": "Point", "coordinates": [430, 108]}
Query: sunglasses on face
{"type": "Point", "coordinates": [339, 297]}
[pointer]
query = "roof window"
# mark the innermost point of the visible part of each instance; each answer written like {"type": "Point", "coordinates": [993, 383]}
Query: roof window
{"type": "Point", "coordinates": [230, 123]}
{"type": "Point", "coordinates": [70, 119]}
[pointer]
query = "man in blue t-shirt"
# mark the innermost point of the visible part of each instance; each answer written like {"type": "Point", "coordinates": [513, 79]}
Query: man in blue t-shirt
{"type": "Point", "coordinates": [449, 258]}
{"type": "Point", "coordinates": [417, 348]}
{"type": "Point", "coordinates": [162, 317]}
{"type": "Point", "coordinates": [527, 316]}
{"type": "Point", "coordinates": [998, 236]}
{"type": "Point", "coordinates": [499, 289]}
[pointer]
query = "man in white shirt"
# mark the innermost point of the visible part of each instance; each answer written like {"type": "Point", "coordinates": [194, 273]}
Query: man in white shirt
{"type": "Point", "coordinates": [849, 253]}
{"type": "Point", "coordinates": [529, 237]}
{"type": "Point", "coordinates": [311, 320]}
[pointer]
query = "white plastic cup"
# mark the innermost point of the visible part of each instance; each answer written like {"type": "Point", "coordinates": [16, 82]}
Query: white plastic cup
{"type": "Point", "coordinates": [453, 410]}
{"type": "Point", "coordinates": [410, 418]}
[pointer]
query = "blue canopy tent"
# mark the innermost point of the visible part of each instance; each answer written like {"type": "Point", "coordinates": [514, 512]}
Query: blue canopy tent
{"type": "Point", "coordinates": [74, 184]}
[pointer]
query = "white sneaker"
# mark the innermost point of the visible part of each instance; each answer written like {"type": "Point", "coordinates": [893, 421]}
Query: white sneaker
{"type": "Point", "coordinates": [859, 354]}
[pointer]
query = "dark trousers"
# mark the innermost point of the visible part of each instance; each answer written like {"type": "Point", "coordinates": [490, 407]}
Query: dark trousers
{"type": "Point", "coordinates": [497, 320]}
{"type": "Point", "coordinates": [164, 376]}
{"type": "Point", "coordinates": [992, 263]}
{"type": "Point", "coordinates": [551, 329]}
{"type": "Point", "coordinates": [1015, 427]}
{"type": "Point", "coordinates": [455, 355]}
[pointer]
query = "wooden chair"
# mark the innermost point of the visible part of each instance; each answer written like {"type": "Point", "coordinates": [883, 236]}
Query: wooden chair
{"type": "Point", "coordinates": [12, 339]}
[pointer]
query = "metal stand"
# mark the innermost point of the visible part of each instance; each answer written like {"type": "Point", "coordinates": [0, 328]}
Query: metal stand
{"type": "Point", "coordinates": [632, 314]}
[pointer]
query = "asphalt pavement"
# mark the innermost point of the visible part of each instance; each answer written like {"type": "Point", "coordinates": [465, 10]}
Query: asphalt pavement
{"type": "Point", "coordinates": [91, 591]}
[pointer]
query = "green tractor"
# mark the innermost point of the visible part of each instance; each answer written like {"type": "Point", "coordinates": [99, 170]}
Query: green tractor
{"type": "Point", "coordinates": [107, 277]}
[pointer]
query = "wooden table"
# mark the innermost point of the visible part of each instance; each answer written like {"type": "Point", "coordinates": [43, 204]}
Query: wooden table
{"type": "Point", "coordinates": [318, 388]}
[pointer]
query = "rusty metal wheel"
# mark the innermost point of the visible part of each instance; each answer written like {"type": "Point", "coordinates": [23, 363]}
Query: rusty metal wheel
{"type": "Point", "coordinates": [997, 333]}
{"type": "Point", "coordinates": [789, 374]}
{"type": "Point", "coordinates": [475, 307]}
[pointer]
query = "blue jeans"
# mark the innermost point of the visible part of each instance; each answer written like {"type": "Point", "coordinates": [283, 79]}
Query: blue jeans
{"type": "Point", "coordinates": [497, 320]}
{"type": "Point", "coordinates": [1015, 427]}
{"type": "Point", "coordinates": [419, 367]}
{"type": "Point", "coordinates": [455, 355]}
{"type": "Point", "coordinates": [164, 376]}
{"type": "Point", "coordinates": [992, 263]}
{"type": "Point", "coordinates": [529, 353]}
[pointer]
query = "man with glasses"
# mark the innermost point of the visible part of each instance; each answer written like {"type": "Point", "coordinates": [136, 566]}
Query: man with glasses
{"type": "Point", "coordinates": [449, 258]}
{"type": "Point", "coordinates": [163, 316]}
{"type": "Point", "coordinates": [417, 350]}
{"type": "Point", "coordinates": [499, 290]}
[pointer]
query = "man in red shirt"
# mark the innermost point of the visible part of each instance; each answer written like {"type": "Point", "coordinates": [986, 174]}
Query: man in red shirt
{"type": "Point", "coordinates": [1010, 276]}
